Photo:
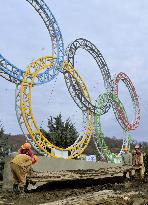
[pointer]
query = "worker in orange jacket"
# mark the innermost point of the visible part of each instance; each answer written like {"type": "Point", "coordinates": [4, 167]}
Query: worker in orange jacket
{"type": "Point", "coordinates": [20, 167]}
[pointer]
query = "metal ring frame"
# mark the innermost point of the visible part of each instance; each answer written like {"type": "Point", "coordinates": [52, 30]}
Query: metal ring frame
{"type": "Point", "coordinates": [95, 53]}
{"type": "Point", "coordinates": [99, 137]}
{"type": "Point", "coordinates": [122, 119]}
{"type": "Point", "coordinates": [29, 120]}
{"type": "Point", "coordinates": [14, 74]}
{"type": "Point", "coordinates": [76, 87]}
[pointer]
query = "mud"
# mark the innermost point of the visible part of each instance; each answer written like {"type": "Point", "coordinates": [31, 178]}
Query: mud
{"type": "Point", "coordinates": [114, 191]}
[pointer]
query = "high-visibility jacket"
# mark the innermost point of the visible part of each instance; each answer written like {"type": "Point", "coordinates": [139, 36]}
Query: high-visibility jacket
{"type": "Point", "coordinates": [23, 161]}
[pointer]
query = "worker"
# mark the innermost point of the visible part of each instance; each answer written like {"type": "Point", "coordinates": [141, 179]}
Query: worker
{"type": "Point", "coordinates": [127, 160]}
{"type": "Point", "coordinates": [26, 149]}
{"type": "Point", "coordinates": [126, 157]}
{"type": "Point", "coordinates": [138, 162]}
{"type": "Point", "coordinates": [20, 167]}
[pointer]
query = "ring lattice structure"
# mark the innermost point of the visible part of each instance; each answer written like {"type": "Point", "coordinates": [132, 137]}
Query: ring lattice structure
{"type": "Point", "coordinates": [99, 136]}
{"type": "Point", "coordinates": [14, 74]}
{"type": "Point", "coordinates": [95, 53]}
{"type": "Point", "coordinates": [119, 113]}
{"type": "Point", "coordinates": [46, 69]}
{"type": "Point", "coordinates": [106, 100]}
{"type": "Point", "coordinates": [26, 107]}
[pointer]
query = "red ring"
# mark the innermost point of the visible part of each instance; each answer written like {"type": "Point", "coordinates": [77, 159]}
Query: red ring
{"type": "Point", "coordinates": [135, 99]}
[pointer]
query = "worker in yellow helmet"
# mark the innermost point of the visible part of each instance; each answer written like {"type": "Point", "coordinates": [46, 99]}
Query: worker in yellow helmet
{"type": "Point", "coordinates": [20, 167]}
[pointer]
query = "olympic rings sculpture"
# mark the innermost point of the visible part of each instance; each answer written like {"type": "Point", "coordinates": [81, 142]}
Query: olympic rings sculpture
{"type": "Point", "coordinates": [45, 69]}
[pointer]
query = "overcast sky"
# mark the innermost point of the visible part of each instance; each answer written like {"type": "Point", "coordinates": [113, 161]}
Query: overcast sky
{"type": "Point", "coordinates": [119, 29]}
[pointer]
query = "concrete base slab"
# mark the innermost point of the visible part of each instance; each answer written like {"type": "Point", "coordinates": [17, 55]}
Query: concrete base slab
{"type": "Point", "coordinates": [50, 169]}
{"type": "Point", "coordinates": [51, 164]}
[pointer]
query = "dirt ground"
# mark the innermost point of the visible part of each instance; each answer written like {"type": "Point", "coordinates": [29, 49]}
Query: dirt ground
{"type": "Point", "coordinates": [107, 192]}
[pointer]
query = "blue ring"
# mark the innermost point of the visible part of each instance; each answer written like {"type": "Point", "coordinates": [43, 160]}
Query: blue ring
{"type": "Point", "coordinates": [15, 74]}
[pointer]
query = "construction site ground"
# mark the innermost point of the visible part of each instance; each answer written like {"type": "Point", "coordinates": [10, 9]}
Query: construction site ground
{"type": "Point", "coordinates": [109, 191]}
{"type": "Point", "coordinates": [62, 182]}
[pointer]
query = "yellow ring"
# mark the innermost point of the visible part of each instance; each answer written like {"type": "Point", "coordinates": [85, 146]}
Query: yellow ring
{"type": "Point", "coordinates": [26, 108]}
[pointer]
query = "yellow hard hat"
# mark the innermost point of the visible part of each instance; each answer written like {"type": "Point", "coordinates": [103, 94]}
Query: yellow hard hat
{"type": "Point", "coordinates": [26, 146]}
